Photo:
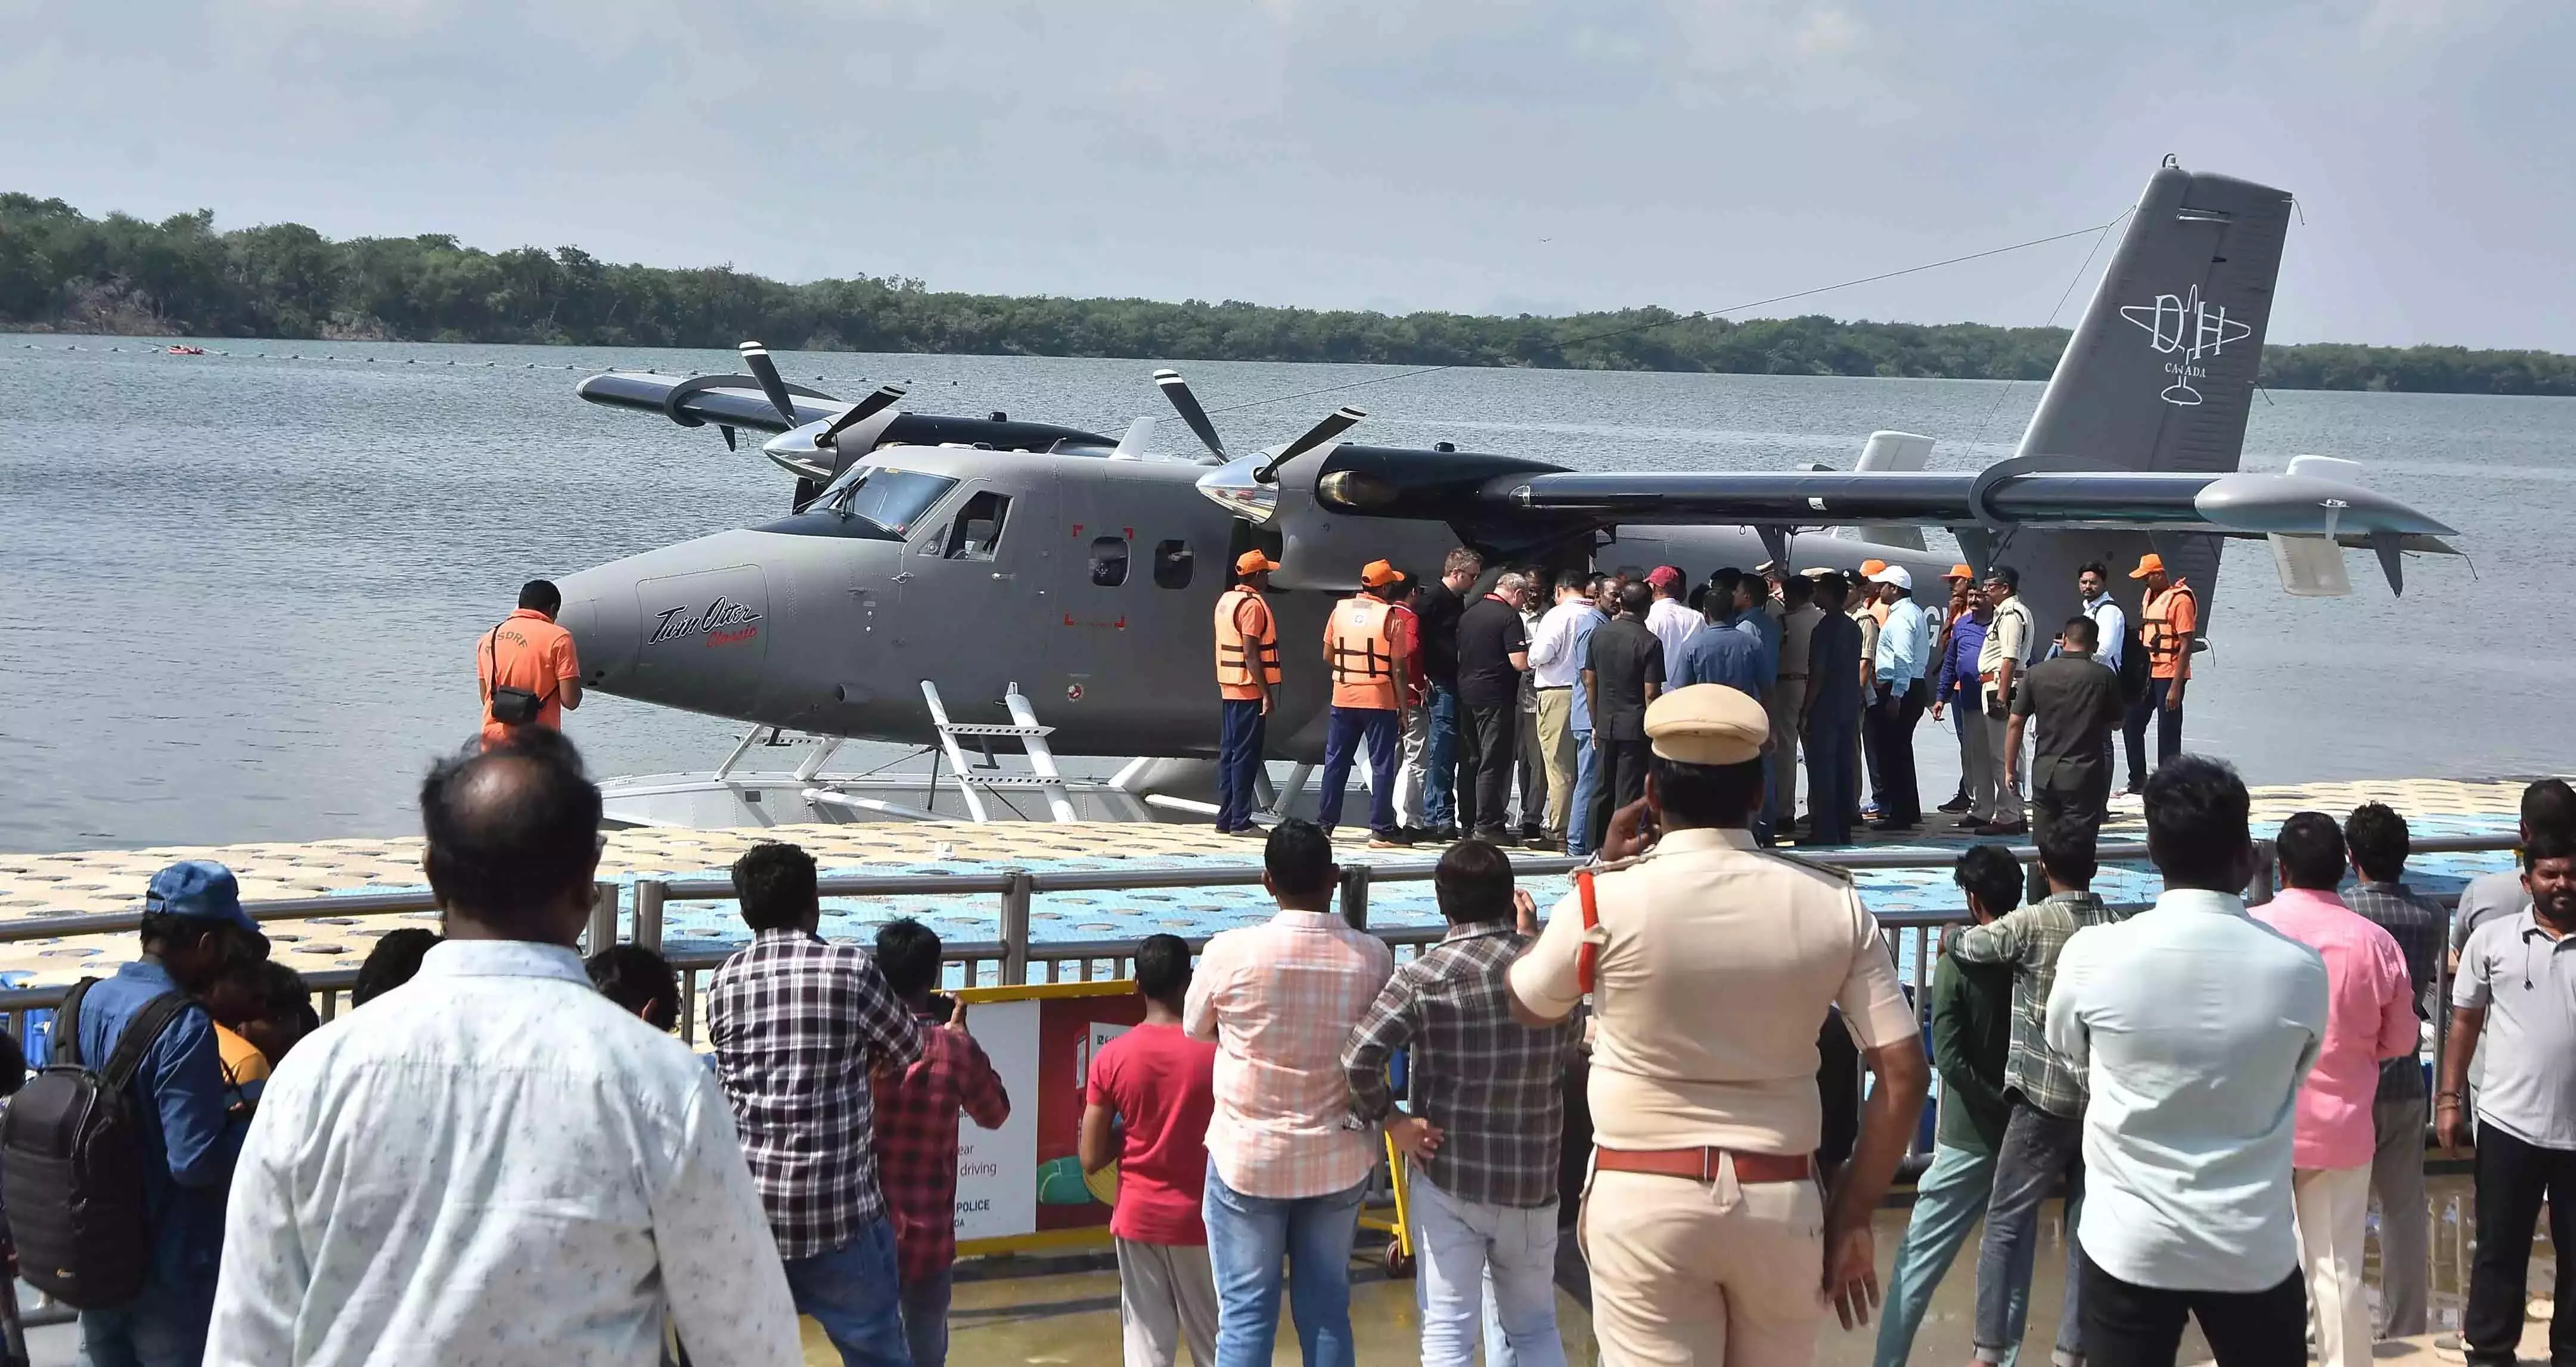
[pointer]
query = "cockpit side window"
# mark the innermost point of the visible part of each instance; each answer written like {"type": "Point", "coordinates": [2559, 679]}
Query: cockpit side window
{"type": "Point", "coordinates": [978, 527]}
{"type": "Point", "coordinates": [1108, 561]}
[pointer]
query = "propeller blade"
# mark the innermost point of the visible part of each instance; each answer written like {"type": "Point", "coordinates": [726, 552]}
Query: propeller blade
{"type": "Point", "coordinates": [859, 412]}
{"type": "Point", "coordinates": [730, 444]}
{"type": "Point", "coordinates": [1335, 423]}
{"type": "Point", "coordinates": [756, 358]}
{"type": "Point", "coordinates": [1177, 390]}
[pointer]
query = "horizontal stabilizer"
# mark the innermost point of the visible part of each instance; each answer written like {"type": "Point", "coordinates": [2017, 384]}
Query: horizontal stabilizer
{"type": "Point", "coordinates": [1890, 451]}
{"type": "Point", "coordinates": [1140, 433]}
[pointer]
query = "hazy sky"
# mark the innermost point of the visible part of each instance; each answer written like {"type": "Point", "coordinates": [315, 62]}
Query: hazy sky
{"type": "Point", "coordinates": [1481, 155]}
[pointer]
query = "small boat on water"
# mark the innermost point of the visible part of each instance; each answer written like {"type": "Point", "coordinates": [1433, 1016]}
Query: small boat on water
{"type": "Point", "coordinates": [187, 351]}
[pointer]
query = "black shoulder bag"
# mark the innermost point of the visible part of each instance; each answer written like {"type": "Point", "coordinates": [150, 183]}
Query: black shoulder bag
{"type": "Point", "coordinates": [511, 706]}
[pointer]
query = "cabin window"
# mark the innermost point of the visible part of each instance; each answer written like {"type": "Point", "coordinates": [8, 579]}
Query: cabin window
{"type": "Point", "coordinates": [978, 528]}
{"type": "Point", "coordinates": [1109, 561]}
{"type": "Point", "coordinates": [1173, 564]}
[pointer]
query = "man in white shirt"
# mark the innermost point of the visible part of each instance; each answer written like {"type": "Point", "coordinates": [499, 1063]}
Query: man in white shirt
{"type": "Point", "coordinates": [1672, 619]}
{"type": "Point", "coordinates": [1556, 666]}
{"type": "Point", "coordinates": [495, 1164]}
{"type": "Point", "coordinates": [2197, 1024]}
{"type": "Point", "coordinates": [2093, 586]}
{"type": "Point", "coordinates": [1898, 699]}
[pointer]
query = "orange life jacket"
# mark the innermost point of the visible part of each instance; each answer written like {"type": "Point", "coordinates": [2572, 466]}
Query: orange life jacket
{"type": "Point", "coordinates": [2167, 648]}
{"type": "Point", "coordinates": [1362, 658]}
{"type": "Point", "coordinates": [1237, 655]}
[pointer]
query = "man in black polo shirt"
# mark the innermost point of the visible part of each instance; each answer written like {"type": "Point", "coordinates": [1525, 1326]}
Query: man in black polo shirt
{"type": "Point", "coordinates": [1493, 651]}
{"type": "Point", "coordinates": [1431, 759]}
{"type": "Point", "coordinates": [1623, 670]}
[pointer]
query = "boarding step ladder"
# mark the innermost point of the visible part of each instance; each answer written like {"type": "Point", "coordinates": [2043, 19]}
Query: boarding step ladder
{"type": "Point", "coordinates": [973, 783]}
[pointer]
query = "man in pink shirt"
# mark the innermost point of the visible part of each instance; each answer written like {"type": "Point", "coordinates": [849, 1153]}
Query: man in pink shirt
{"type": "Point", "coordinates": [2370, 1016]}
{"type": "Point", "coordinates": [1287, 1164]}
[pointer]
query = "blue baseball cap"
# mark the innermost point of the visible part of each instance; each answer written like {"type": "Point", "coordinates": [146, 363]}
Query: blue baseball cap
{"type": "Point", "coordinates": [200, 889]}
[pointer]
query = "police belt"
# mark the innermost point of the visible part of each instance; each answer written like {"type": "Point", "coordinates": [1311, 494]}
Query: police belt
{"type": "Point", "coordinates": [1702, 1165]}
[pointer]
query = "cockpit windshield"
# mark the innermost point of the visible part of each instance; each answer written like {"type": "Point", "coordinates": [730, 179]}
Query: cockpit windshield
{"type": "Point", "coordinates": [890, 498]}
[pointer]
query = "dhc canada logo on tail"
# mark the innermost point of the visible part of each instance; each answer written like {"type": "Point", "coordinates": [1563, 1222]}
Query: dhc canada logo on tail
{"type": "Point", "coordinates": [2187, 328]}
{"type": "Point", "coordinates": [723, 623]}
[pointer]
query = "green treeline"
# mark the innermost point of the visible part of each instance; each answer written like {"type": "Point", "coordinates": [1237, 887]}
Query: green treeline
{"type": "Point", "coordinates": [61, 270]}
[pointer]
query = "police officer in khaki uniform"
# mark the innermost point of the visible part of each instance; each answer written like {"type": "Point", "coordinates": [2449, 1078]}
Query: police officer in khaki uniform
{"type": "Point", "coordinates": [1711, 966]}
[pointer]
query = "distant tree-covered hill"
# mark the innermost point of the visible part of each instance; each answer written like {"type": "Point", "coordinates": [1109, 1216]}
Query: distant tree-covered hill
{"type": "Point", "coordinates": [62, 270]}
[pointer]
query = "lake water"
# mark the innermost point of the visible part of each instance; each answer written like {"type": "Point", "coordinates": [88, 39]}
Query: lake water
{"type": "Point", "coordinates": [243, 591]}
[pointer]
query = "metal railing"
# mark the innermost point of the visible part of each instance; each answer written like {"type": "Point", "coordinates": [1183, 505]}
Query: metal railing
{"type": "Point", "coordinates": [1012, 956]}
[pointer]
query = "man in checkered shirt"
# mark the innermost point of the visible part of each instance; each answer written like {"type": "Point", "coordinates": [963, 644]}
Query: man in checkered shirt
{"type": "Point", "coordinates": [2379, 843]}
{"type": "Point", "coordinates": [798, 1026]}
{"type": "Point", "coordinates": [1487, 1128]}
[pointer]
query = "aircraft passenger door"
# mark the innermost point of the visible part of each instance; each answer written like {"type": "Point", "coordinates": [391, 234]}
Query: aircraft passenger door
{"type": "Point", "coordinates": [971, 585]}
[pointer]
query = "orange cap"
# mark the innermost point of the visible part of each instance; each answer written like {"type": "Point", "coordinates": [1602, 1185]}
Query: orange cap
{"type": "Point", "coordinates": [1254, 562]}
{"type": "Point", "coordinates": [1870, 567]}
{"type": "Point", "coordinates": [1379, 574]}
{"type": "Point", "coordinates": [2150, 563]}
{"type": "Point", "coordinates": [1961, 572]}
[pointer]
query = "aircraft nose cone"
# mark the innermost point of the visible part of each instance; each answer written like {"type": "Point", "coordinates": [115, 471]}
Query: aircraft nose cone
{"type": "Point", "coordinates": [685, 626]}
{"type": "Point", "coordinates": [602, 623]}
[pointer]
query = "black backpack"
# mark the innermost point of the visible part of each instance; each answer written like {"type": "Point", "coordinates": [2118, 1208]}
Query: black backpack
{"type": "Point", "coordinates": [71, 1164]}
{"type": "Point", "coordinates": [2134, 665]}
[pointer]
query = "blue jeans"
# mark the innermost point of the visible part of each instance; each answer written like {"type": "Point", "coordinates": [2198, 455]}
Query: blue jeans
{"type": "Point", "coordinates": [1466, 1247]}
{"type": "Point", "coordinates": [2038, 1148]}
{"type": "Point", "coordinates": [160, 1328]}
{"type": "Point", "coordinates": [1587, 795]}
{"type": "Point", "coordinates": [1382, 728]}
{"type": "Point", "coordinates": [1440, 790]}
{"type": "Point", "coordinates": [1948, 1200]}
{"type": "Point", "coordinates": [1248, 1236]}
{"type": "Point", "coordinates": [925, 1318]}
{"type": "Point", "coordinates": [1238, 762]}
{"type": "Point", "coordinates": [851, 1291]}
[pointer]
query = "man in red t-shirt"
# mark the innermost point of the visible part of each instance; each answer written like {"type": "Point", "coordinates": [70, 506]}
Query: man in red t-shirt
{"type": "Point", "coordinates": [528, 652]}
{"type": "Point", "coordinates": [1161, 1085]}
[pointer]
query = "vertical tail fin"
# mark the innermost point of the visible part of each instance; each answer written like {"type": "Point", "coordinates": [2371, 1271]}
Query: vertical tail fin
{"type": "Point", "coordinates": [2160, 372]}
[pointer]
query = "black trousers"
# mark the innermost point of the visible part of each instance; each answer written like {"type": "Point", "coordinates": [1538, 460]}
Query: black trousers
{"type": "Point", "coordinates": [2513, 1178]}
{"type": "Point", "coordinates": [2067, 793]}
{"type": "Point", "coordinates": [1623, 780]}
{"type": "Point", "coordinates": [2127, 1325]}
{"type": "Point", "coordinates": [1487, 740]}
{"type": "Point", "coordinates": [2150, 706]}
{"type": "Point", "coordinates": [1888, 727]}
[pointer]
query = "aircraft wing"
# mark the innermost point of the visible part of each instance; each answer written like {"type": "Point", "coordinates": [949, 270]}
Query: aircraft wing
{"type": "Point", "coordinates": [1512, 505]}
{"type": "Point", "coordinates": [696, 401]}
{"type": "Point", "coordinates": [1998, 499]}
